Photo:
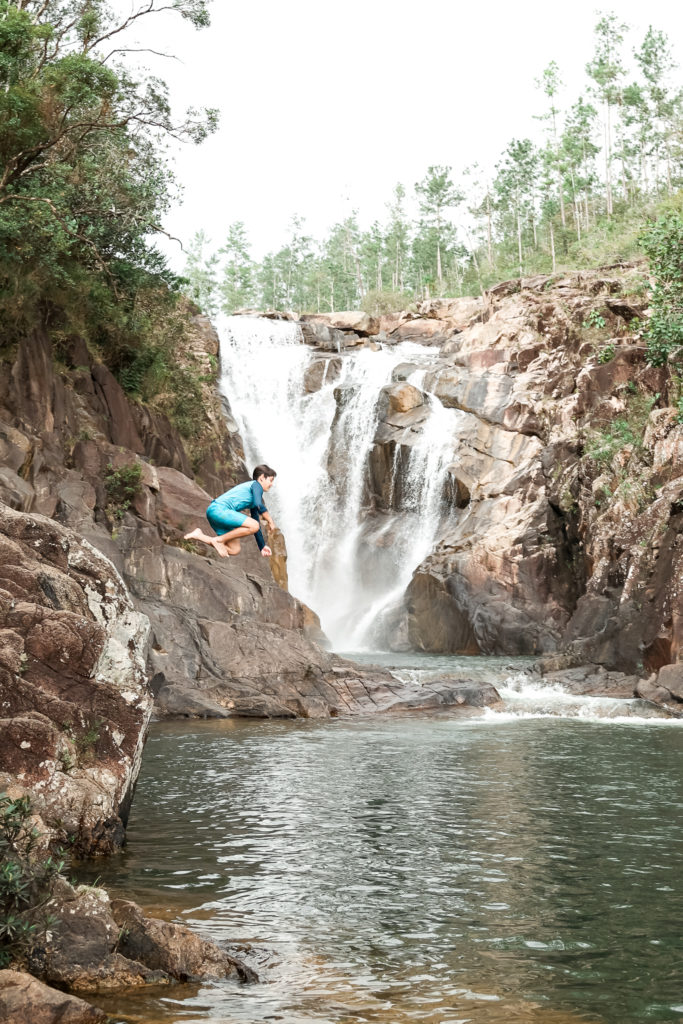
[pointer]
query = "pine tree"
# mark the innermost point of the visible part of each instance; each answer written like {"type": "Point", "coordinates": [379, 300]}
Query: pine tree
{"type": "Point", "coordinates": [201, 273]}
{"type": "Point", "coordinates": [607, 70]}
{"type": "Point", "coordinates": [437, 194]}
{"type": "Point", "coordinates": [397, 240]}
{"type": "Point", "coordinates": [515, 186]}
{"type": "Point", "coordinates": [236, 288]}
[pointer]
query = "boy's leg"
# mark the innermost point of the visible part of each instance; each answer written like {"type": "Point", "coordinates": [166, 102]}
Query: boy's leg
{"type": "Point", "coordinates": [198, 535]}
{"type": "Point", "coordinates": [232, 547]}
{"type": "Point", "coordinates": [222, 544]}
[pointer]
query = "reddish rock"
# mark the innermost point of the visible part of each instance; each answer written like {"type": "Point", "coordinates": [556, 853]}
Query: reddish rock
{"type": "Point", "coordinates": [24, 999]}
{"type": "Point", "coordinates": [350, 320]}
{"type": "Point", "coordinates": [73, 694]}
{"type": "Point", "coordinates": [172, 948]}
{"type": "Point", "coordinates": [181, 503]}
{"type": "Point", "coordinates": [122, 427]}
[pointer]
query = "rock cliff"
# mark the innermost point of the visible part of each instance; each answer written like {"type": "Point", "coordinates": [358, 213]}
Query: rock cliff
{"type": "Point", "coordinates": [74, 698]}
{"type": "Point", "coordinates": [562, 511]}
{"type": "Point", "coordinates": [226, 637]}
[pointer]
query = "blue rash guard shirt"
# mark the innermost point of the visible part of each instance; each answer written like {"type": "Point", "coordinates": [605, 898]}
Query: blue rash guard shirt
{"type": "Point", "coordinates": [242, 498]}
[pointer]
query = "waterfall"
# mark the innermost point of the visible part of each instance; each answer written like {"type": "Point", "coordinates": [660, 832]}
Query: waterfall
{"type": "Point", "coordinates": [350, 569]}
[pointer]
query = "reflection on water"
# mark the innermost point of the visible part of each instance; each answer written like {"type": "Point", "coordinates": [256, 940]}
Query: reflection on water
{"type": "Point", "coordinates": [428, 870]}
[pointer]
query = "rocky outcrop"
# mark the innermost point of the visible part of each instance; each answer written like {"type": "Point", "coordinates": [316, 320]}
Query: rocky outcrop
{"type": "Point", "coordinates": [23, 998]}
{"type": "Point", "coordinates": [70, 437]}
{"type": "Point", "coordinates": [99, 945]}
{"type": "Point", "coordinates": [562, 508]}
{"type": "Point", "coordinates": [355, 321]}
{"type": "Point", "coordinates": [74, 700]}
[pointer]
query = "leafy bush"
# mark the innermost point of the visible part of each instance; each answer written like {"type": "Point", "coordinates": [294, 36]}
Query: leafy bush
{"type": "Point", "coordinates": [122, 486]}
{"type": "Point", "coordinates": [627, 430]}
{"type": "Point", "coordinates": [377, 303]}
{"type": "Point", "coordinates": [85, 179]}
{"type": "Point", "coordinates": [663, 244]}
{"type": "Point", "coordinates": [27, 878]}
{"type": "Point", "coordinates": [606, 354]}
{"type": "Point", "coordinates": [594, 319]}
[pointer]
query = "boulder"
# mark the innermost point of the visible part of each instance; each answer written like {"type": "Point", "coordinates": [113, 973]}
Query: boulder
{"type": "Point", "coordinates": [96, 945]}
{"type": "Point", "coordinates": [403, 397]}
{"type": "Point", "coordinates": [449, 694]}
{"type": "Point", "coordinates": [421, 330]}
{"type": "Point", "coordinates": [172, 948]}
{"type": "Point", "coordinates": [319, 372]}
{"type": "Point", "coordinates": [356, 321]}
{"type": "Point", "coordinates": [181, 503]}
{"type": "Point", "coordinates": [671, 677]}
{"type": "Point", "coordinates": [326, 338]}
{"type": "Point", "coordinates": [24, 998]}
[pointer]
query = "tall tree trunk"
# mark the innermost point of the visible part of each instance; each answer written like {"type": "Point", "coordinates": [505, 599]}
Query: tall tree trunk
{"type": "Point", "coordinates": [552, 244]}
{"type": "Point", "coordinates": [488, 228]}
{"type": "Point", "coordinates": [438, 262]}
{"type": "Point", "coordinates": [519, 242]}
{"type": "Point", "coordinates": [608, 157]}
{"type": "Point", "coordinates": [560, 186]}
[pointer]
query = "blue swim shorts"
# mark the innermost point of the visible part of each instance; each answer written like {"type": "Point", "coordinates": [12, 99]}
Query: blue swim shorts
{"type": "Point", "coordinates": [224, 519]}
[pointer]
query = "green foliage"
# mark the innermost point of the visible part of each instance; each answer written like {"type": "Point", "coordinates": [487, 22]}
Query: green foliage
{"type": "Point", "coordinates": [606, 354]}
{"type": "Point", "coordinates": [200, 274]}
{"type": "Point", "coordinates": [608, 162]}
{"type": "Point", "coordinates": [122, 486]}
{"type": "Point", "coordinates": [625, 431]}
{"type": "Point", "coordinates": [83, 179]}
{"type": "Point", "coordinates": [663, 244]}
{"type": "Point", "coordinates": [594, 319]}
{"type": "Point", "coordinates": [377, 303]}
{"type": "Point", "coordinates": [86, 742]}
{"type": "Point", "coordinates": [27, 878]}
{"type": "Point", "coordinates": [237, 285]}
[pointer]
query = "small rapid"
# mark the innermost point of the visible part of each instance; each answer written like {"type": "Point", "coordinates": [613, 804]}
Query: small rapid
{"type": "Point", "coordinates": [351, 569]}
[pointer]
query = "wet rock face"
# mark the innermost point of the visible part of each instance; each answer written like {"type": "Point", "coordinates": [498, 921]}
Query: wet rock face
{"type": "Point", "coordinates": [321, 371]}
{"type": "Point", "coordinates": [74, 702]}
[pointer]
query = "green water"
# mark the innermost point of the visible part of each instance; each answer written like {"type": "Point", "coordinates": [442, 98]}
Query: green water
{"type": "Point", "coordinates": [431, 870]}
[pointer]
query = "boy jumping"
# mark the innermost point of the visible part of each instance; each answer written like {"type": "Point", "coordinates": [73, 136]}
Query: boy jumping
{"type": "Point", "coordinates": [226, 515]}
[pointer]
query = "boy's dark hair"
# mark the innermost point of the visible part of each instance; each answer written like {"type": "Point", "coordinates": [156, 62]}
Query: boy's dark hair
{"type": "Point", "coordinates": [262, 471]}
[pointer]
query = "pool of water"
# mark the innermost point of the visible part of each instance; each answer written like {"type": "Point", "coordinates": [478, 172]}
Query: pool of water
{"type": "Point", "coordinates": [523, 866]}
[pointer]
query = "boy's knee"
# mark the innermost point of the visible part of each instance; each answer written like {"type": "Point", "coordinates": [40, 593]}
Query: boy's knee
{"type": "Point", "coordinates": [253, 526]}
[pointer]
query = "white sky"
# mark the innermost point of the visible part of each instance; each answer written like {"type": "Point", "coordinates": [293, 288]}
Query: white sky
{"type": "Point", "coordinates": [324, 107]}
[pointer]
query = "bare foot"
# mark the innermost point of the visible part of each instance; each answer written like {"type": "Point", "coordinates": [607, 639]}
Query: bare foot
{"type": "Point", "coordinates": [195, 535]}
{"type": "Point", "coordinates": [220, 548]}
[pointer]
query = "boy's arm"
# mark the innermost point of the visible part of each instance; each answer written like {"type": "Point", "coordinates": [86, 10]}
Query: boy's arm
{"type": "Point", "coordinates": [258, 536]}
{"type": "Point", "coordinates": [259, 505]}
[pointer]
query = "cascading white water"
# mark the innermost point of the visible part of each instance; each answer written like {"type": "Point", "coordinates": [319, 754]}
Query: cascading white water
{"type": "Point", "coordinates": [347, 571]}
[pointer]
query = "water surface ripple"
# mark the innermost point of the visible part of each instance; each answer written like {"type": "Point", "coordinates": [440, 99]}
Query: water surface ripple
{"type": "Point", "coordinates": [416, 869]}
